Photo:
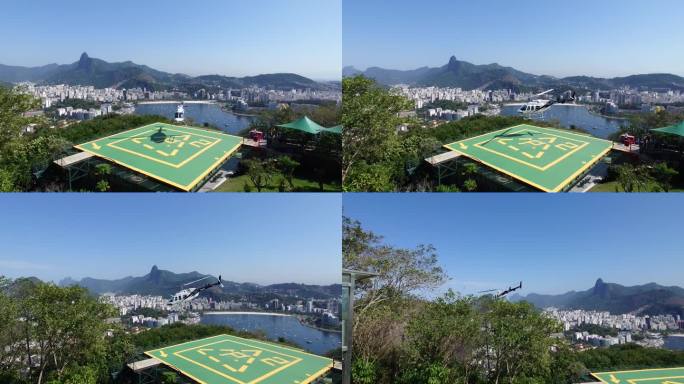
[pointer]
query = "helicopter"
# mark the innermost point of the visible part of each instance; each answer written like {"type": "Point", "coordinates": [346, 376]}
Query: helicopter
{"type": "Point", "coordinates": [541, 105]}
{"type": "Point", "coordinates": [187, 294]}
{"type": "Point", "coordinates": [536, 105]}
{"type": "Point", "coordinates": [501, 293]}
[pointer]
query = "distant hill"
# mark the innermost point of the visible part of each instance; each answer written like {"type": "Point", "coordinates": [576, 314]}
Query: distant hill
{"type": "Point", "coordinates": [15, 287]}
{"type": "Point", "coordinates": [102, 74]}
{"type": "Point", "coordinates": [166, 283]}
{"type": "Point", "coordinates": [648, 299]}
{"type": "Point", "coordinates": [469, 76]}
{"type": "Point", "coordinates": [14, 74]}
{"type": "Point", "coordinates": [274, 81]}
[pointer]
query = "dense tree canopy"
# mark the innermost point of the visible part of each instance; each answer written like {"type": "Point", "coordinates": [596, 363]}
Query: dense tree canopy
{"type": "Point", "coordinates": [378, 156]}
{"type": "Point", "coordinates": [406, 332]}
{"type": "Point", "coordinates": [63, 335]}
{"type": "Point", "coordinates": [370, 119]}
{"type": "Point", "coordinates": [21, 154]}
{"type": "Point", "coordinates": [54, 333]}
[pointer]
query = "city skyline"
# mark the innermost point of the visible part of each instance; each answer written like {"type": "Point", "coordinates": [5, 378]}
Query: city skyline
{"type": "Point", "coordinates": [554, 245]}
{"type": "Point", "coordinates": [227, 38]}
{"type": "Point", "coordinates": [600, 39]}
{"type": "Point", "coordinates": [109, 237]}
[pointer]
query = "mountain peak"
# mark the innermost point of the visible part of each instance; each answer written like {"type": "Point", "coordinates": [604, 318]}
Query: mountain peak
{"type": "Point", "coordinates": [154, 269]}
{"type": "Point", "coordinates": [84, 62]}
{"type": "Point", "coordinates": [601, 289]}
{"type": "Point", "coordinates": [454, 65]}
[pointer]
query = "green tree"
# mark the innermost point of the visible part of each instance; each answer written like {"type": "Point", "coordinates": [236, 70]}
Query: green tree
{"type": "Point", "coordinates": [470, 185]}
{"type": "Point", "coordinates": [370, 119]}
{"type": "Point", "coordinates": [22, 156]}
{"type": "Point", "coordinates": [633, 178]}
{"type": "Point", "coordinates": [287, 167]}
{"type": "Point", "coordinates": [63, 328]}
{"type": "Point", "coordinates": [365, 177]}
{"type": "Point", "coordinates": [364, 372]}
{"type": "Point", "coordinates": [169, 378]}
{"type": "Point", "coordinates": [260, 172]}
{"type": "Point", "coordinates": [447, 188]}
{"type": "Point", "coordinates": [446, 333]}
{"type": "Point", "coordinates": [77, 375]}
{"type": "Point", "coordinates": [103, 171]}
{"type": "Point", "coordinates": [399, 270]}
{"type": "Point", "coordinates": [663, 175]}
{"type": "Point", "coordinates": [565, 366]}
{"type": "Point", "coordinates": [381, 306]}
{"type": "Point", "coordinates": [518, 341]}
{"type": "Point", "coordinates": [13, 106]}
{"type": "Point", "coordinates": [102, 186]}
{"type": "Point", "coordinates": [9, 332]}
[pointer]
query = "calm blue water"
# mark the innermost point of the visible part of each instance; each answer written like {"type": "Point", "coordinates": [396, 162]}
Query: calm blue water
{"type": "Point", "coordinates": [579, 116]}
{"type": "Point", "coordinates": [200, 114]}
{"type": "Point", "coordinates": [674, 343]}
{"type": "Point", "coordinates": [274, 327]}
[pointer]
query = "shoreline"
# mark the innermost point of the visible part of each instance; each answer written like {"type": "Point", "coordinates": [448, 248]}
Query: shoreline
{"type": "Point", "coordinates": [606, 116]}
{"type": "Point", "coordinates": [246, 313]}
{"type": "Point", "coordinates": [298, 317]}
{"type": "Point", "coordinates": [208, 102]}
{"type": "Point", "coordinates": [302, 322]}
{"type": "Point", "coordinates": [227, 110]}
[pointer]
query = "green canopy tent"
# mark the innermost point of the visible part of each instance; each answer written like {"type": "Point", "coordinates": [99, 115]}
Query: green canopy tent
{"type": "Point", "coordinates": [305, 125]}
{"type": "Point", "coordinates": [673, 130]}
{"type": "Point", "coordinates": [677, 129]}
{"type": "Point", "coordinates": [336, 130]}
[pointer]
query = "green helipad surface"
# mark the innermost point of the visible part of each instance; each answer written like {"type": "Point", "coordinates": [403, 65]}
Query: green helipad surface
{"type": "Point", "coordinates": [177, 155]}
{"type": "Point", "coordinates": [230, 359]}
{"type": "Point", "coordinates": [545, 158]}
{"type": "Point", "coordinates": [645, 376]}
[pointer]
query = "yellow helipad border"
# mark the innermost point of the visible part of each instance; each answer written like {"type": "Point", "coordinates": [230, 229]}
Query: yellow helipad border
{"type": "Point", "coordinates": [310, 379]}
{"type": "Point", "coordinates": [523, 162]}
{"type": "Point", "coordinates": [215, 140]}
{"type": "Point", "coordinates": [227, 376]}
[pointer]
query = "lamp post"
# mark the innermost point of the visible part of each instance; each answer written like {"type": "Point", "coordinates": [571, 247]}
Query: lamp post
{"type": "Point", "coordinates": [349, 279]}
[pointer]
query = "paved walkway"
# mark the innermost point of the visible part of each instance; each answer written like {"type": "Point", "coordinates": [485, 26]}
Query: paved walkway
{"type": "Point", "coordinates": [219, 178]}
{"type": "Point", "coordinates": [595, 176]}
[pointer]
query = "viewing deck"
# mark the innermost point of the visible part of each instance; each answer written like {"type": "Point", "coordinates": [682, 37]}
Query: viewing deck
{"type": "Point", "coordinates": [634, 148]}
{"type": "Point", "coordinates": [443, 157]}
{"type": "Point", "coordinates": [142, 365]}
{"type": "Point", "coordinates": [73, 159]}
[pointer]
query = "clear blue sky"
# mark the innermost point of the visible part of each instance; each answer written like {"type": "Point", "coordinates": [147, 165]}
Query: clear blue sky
{"type": "Point", "coordinates": [558, 38]}
{"type": "Point", "coordinates": [265, 238]}
{"type": "Point", "coordinates": [553, 243]}
{"type": "Point", "coordinates": [227, 37]}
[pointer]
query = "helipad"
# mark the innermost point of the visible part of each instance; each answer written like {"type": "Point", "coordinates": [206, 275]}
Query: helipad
{"type": "Point", "coordinates": [644, 376]}
{"type": "Point", "coordinates": [545, 158]}
{"type": "Point", "coordinates": [177, 155]}
{"type": "Point", "coordinates": [231, 359]}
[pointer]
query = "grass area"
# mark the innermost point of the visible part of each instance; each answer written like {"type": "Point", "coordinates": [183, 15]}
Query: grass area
{"type": "Point", "coordinates": [611, 185]}
{"type": "Point", "coordinates": [237, 184]}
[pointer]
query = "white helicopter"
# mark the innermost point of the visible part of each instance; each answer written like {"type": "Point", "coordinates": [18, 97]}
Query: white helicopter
{"type": "Point", "coordinates": [179, 116]}
{"type": "Point", "coordinates": [501, 293]}
{"type": "Point", "coordinates": [537, 105]}
{"type": "Point", "coordinates": [187, 294]}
